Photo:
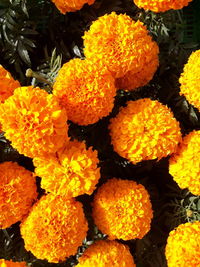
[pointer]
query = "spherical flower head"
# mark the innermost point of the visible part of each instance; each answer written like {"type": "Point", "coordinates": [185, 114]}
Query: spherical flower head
{"type": "Point", "coordinates": [18, 191]}
{"type": "Point", "coordinates": [86, 90]}
{"type": "Point", "coordinates": [55, 228]}
{"type": "Point", "coordinates": [144, 130]}
{"type": "Point", "coordinates": [70, 172]}
{"type": "Point", "coordinates": [105, 253]}
{"type": "Point", "coordinates": [161, 5]}
{"type": "Point", "coordinates": [184, 165]}
{"type": "Point", "coordinates": [65, 6]}
{"type": "Point", "coordinates": [119, 43]}
{"type": "Point", "coordinates": [7, 84]}
{"type": "Point", "coordinates": [190, 86]}
{"type": "Point", "coordinates": [34, 122]}
{"type": "Point", "coordinates": [122, 209]}
{"type": "Point", "coordinates": [5, 263]}
{"type": "Point", "coordinates": [183, 246]}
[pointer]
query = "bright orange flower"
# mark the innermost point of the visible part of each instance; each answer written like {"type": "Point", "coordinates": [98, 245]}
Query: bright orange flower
{"type": "Point", "coordinates": [65, 6]}
{"type": "Point", "coordinates": [5, 263]}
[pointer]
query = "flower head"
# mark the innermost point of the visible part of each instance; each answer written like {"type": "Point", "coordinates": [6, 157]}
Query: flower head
{"type": "Point", "coordinates": [120, 43]}
{"type": "Point", "coordinates": [183, 246]}
{"type": "Point", "coordinates": [65, 6]}
{"type": "Point", "coordinates": [55, 228]}
{"type": "Point", "coordinates": [189, 80]}
{"type": "Point", "coordinates": [184, 165]}
{"type": "Point", "coordinates": [161, 5]}
{"type": "Point", "coordinates": [86, 90]}
{"type": "Point", "coordinates": [5, 263]}
{"type": "Point", "coordinates": [34, 122]}
{"type": "Point", "coordinates": [144, 130]}
{"type": "Point", "coordinates": [122, 209]}
{"type": "Point", "coordinates": [105, 253]}
{"type": "Point", "coordinates": [17, 193]}
{"type": "Point", "coordinates": [71, 172]}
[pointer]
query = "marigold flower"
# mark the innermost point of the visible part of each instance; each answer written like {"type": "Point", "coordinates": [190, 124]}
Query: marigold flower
{"type": "Point", "coordinates": [55, 228]}
{"type": "Point", "coordinates": [189, 80]}
{"type": "Point", "coordinates": [144, 130]}
{"type": "Point", "coordinates": [120, 43]}
{"type": "Point", "coordinates": [5, 263]}
{"type": "Point", "coordinates": [183, 246]}
{"type": "Point", "coordinates": [184, 165]}
{"type": "Point", "coordinates": [33, 121]}
{"type": "Point", "coordinates": [161, 5]}
{"type": "Point", "coordinates": [72, 171]}
{"type": "Point", "coordinates": [86, 90]}
{"type": "Point", "coordinates": [17, 193]}
{"type": "Point", "coordinates": [105, 253]}
{"type": "Point", "coordinates": [122, 209]}
{"type": "Point", "coordinates": [65, 6]}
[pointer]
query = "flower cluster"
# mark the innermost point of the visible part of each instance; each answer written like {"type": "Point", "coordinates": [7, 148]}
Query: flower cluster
{"type": "Point", "coordinates": [72, 171]}
{"type": "Point", "coordinates": [180, 163]}
{"type": "Point", "coordinates": [4, 263]}
{"type": "Point", "coordinates": [33, 121]}
{"type": "Point", "coordinates": [86, 90]}
{"type": "Point", "coordinates": [55, 228]}
{"type": "Point", "coordinates": [122, 209]}
{"type": "Point", "coordinates": [144, 130]}
{"type": "Point", "coordinates": [122, 45]}
{"type": "Point", "coordinates": [17, 193]}
{"type": "Point", "coordinates": [71, 5]}
{"type": "Point", "coordinates": [190, 86]}
{"type": "Point", "coordinates": [183, 246]}
{"type": "Point", "coordinates": [161, 5]}
{"type": "Point", "coordinates": [105, 253]}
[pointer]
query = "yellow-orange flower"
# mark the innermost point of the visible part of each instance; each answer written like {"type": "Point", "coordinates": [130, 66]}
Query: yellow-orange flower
{"type": "Point", "coordinates": [5, 263]}
{"type": "Point", "coordinates": [119, 43]}
{"type": "Point", "coordinates": [7, 84]}
{"type": "Point", "coordinates": [184, 165]}
{"type": "Point", "coordinates": [55, 228]}
{"type": "Point", "coordinates": [189, 80]}
{"type": "Point", "coordinates": [161, 5]}
{"type": "Point", "coordinates": [86, 90]}
{"type": "Point", "coordinates": [71, 172]}
{"type": "Point", "coordinates": [144, 130]}
{"type": "Point", "coordinates": [122, 209]}
{"type": "Point", "coordinates": [33, 121]}
{"type": "Point", "coordinates": [106, 253]}
{"type": "Point", "coordinates": [65, 6]}
{"type": "Point", "coordinates": [17, 193]}
{"type": "Point", "coordinates": [183, 246]}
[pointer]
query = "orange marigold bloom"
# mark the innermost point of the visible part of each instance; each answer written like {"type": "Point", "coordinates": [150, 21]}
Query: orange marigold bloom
{"type": "Point", "coordinates": [122, 209]}
{"type": "Point", "coordinates": [189, 80]}
{"type": "Point", "coordinates": [5, 263]}
{"type": "Point", "coordinates": [184, 165]}
{"type": "Point", "coordinates": [33, 121]}
{"type": "Point", "coordinates": [65, 6]}
{"type": "Point", "coordinates": [161, 5]}
{"type": "Point", "coordinates": [17, 193]}
{"type": "Point", "coordinates": [144, 130]}
{"type": "Point", "coordinates": [7, 84]}
{"type": "Point", "coordinates": [106, 253]}
{"type": "Point", "coordinates": [72, 171]}
{"type": "Point", "coordinates": [119, 43]}
{"type": "Point", "coordinates": [86, 90]}
{"type": "Point", "coordinates": [55, 228]}
{"type": "Point", "coordinates": [183, 246]}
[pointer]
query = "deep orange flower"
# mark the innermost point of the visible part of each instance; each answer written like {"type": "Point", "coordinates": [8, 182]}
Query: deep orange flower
{"type": "Point", "coordinates": [183, 246]}
{"type": "Point", "coordinates": [120, 43]}
{"type": "Point", "coordinates": [144, 130]}
{"type": "Point", "coordinates": [55, 228]}
{"type": "Point", "coordinates": [184, 165]}
{"type": "Point", "coordinates": [17, 193]}
{"type": "Point", "coordinates": [5, 263]}
{"type": "Point", "coordinates": [161, 5]}
{"type": "Point", "coordinates": [34, 122]}
{"type": "Point", "coordinates": [71, 172]}
{"type": "Point", "coordinates": [86, 90]}
{"type": "Point", "coordinates": [189, 79]}
{"type": "Point", "coordinates": [106, 253]}
{"type": "Point", "coordinates": [65, 6]}
{"type": "Point", "coordinates": [122, 209]}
